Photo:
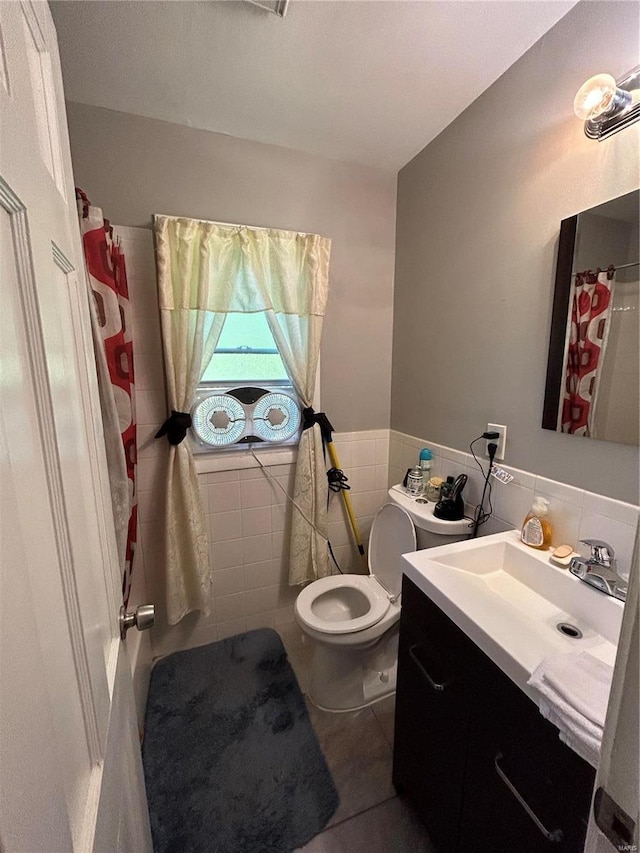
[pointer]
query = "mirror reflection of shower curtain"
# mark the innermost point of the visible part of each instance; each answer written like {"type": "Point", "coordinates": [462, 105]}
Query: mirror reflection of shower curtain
{"type": "Point", "coordinates": [590, 311]}
{"type": "Point", "coordinates": [617, 415]}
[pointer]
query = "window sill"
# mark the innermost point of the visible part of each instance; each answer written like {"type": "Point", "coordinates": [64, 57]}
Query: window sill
{"type": "Point", "coordinates": [211, 462]}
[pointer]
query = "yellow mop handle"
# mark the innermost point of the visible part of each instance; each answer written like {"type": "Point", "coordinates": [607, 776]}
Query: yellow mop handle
{"type": "Point", "coordinates": [347, 502]}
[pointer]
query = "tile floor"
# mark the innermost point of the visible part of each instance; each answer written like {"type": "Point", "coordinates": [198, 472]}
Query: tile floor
{"type": "Point", "coordinates": [358, 749]}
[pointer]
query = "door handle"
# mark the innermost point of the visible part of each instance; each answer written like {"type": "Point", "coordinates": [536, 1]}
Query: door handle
{"type": "Point", "coordinates": [142, 617]}
{"type": "Point", "coordinates": [554, 835]}
{"type": "Point", "coordinates": [435, 685]}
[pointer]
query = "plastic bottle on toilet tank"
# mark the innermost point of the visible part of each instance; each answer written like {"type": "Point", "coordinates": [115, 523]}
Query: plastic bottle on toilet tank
{"type": "Point", "coordinates": [425, 463]}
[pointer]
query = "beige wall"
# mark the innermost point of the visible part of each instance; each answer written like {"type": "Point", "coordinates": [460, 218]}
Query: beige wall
{"type": "Point", "coordinates": [133, 167]}
{"type": "Point", "coordinates": [479, 212]}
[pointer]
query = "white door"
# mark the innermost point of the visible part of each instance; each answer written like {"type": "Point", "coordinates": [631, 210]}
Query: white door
{"type": "Point", "coordinates": [70, 768]}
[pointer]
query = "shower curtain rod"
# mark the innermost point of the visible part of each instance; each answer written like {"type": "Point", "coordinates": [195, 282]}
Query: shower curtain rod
{"type": "Point", "coordinates": [624, 266]}
{"type": "Point", "coordinates": [621, 267]}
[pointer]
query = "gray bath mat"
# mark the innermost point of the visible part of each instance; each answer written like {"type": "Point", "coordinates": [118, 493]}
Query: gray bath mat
{"type": "Point", "coordinates": [231, 762]}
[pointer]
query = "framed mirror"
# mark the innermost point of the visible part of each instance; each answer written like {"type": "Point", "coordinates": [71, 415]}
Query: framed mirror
{"type": "Point", "coordinates": [593, 372]}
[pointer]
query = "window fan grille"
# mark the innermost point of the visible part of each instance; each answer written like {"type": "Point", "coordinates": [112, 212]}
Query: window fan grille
{"type": "Point", "coordinates": [224, 417]}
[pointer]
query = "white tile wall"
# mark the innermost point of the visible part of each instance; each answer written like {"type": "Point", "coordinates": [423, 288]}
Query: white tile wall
{"type": "Point", "coordinates": [575, 514]}
{"type": "Point", "coordinates": [249, 522]}
{"type": "Point", "coordinates": [248, 516]}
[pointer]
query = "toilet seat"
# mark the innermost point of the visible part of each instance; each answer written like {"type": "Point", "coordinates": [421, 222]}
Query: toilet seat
{"type": "Point", "coordinates": [324, 604]}
{"type": "Point", "coordinates": [347, 604]}
{"type": "Point", "coordinates": [392, 535]}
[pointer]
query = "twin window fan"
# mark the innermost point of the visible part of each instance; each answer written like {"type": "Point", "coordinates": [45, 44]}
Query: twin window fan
{"type": "Point", "coordinates": [223, 417]}
{"type": "Point", "coordinates": [245, 396]}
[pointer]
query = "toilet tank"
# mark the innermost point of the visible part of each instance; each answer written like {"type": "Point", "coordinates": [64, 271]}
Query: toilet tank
{"type": "Point", "coordinates": [427, 539]}
{"type": "Point", "coordinates": [430, 531]}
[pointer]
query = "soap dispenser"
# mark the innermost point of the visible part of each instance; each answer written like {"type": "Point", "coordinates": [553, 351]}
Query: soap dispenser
{"type": "Point", "coordinates": [536, 528]}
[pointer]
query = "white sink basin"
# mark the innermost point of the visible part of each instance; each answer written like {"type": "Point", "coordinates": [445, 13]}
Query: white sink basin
{"type": "Point", "coordinates": [509, 600]}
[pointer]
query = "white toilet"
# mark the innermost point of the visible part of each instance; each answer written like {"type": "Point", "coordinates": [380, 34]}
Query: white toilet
{"type": "Point", "coordinates": [353, 620]}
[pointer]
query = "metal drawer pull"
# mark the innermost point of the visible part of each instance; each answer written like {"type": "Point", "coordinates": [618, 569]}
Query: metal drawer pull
{"type": "Point", "coordinates": [436, 685]}
{"type": "Point", "coordinates": [556, 835]}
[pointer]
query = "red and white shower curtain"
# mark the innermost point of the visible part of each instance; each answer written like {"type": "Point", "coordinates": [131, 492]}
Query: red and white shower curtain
{"type": "Point", "coordinates": [590, 312]}
{"type": "Point", "coordinates": [111, 325]}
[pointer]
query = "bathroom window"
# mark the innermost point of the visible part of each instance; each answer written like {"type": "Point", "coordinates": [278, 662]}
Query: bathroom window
{"type": "Point", "coordinates": [246, 352]}
{"type": "Point", "coordinates": [245, 395]}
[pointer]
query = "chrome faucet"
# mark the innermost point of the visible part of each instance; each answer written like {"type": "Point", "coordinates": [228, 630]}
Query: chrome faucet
{"type": "Point", "coordinates": [599, 570]}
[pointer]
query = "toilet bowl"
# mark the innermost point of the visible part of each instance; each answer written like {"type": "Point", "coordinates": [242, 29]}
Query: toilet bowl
{"type": "Point", "coordinates": [352, 620]}
{"type": "Point", "coordinates": [346, 610]}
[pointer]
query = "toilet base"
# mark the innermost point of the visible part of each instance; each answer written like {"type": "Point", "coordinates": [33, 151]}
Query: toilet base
{"type": "Point", "coordinates": [349, 679]}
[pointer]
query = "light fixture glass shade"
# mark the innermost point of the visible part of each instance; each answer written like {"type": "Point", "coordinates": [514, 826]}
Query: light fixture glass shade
{"type": "Point", "coordinates": [595, 97]}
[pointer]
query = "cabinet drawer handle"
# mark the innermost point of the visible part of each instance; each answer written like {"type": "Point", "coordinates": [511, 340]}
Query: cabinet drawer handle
{"type": "Point", "coordinates": [435, 685]}
{"type": "Point", "coordinates": [555, 835]}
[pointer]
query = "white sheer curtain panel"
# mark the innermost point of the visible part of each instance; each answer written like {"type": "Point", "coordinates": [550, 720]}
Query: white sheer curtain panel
{"type": "Point", "coordinates": [190, 332]}
{"type": "Point", "coordinates": [205, 271]}
{"type": "Point", "coordinates": [292, 272]}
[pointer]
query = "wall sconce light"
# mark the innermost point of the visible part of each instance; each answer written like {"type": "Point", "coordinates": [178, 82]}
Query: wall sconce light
{"type": "Point", "coordinates": [606, 105]}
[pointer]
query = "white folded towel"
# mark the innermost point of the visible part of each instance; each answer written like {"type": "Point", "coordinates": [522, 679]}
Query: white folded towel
{"type": "Point", "coordinates": [574, 693]}
{"type": "Point", "coordinates": [580, 739]}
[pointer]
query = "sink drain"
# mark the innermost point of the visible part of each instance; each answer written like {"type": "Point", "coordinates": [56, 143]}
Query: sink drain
{"type": "Point", "coordinates": [569, 630]}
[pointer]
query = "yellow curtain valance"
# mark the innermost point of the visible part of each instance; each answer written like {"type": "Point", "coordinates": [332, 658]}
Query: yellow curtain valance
{"type": "Point", "coordinates": [210, 267]}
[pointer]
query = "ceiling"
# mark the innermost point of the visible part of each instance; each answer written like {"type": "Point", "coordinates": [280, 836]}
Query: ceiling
{"type": "Point", "coordinates": [370, 81]}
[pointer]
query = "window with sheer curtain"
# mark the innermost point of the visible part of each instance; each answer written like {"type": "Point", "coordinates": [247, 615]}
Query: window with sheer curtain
{"type": "Point", "coordinates": [207, 273]}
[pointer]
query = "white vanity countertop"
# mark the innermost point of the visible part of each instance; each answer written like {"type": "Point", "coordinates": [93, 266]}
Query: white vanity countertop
{"type": "Point", "coordinates": [508, 599]}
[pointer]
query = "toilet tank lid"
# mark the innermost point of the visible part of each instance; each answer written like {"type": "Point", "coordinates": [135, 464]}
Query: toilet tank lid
{"type": "Point", "coordinates": [392, 535]}
{"type": "Point", "coordinates": [421, 513]}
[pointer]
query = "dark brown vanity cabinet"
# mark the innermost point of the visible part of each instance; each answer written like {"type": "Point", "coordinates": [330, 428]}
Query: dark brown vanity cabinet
{"type": "Point", "coordinates": [486, 772]}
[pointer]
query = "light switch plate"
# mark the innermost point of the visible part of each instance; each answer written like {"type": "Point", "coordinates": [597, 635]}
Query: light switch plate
{"type": "Point", "coordinates": [501, 441]}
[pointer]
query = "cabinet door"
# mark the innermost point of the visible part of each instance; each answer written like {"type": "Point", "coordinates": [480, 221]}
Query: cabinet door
{"type": "Point", "coordinates": [511, 803]}
{"type": "Point", "coordinates": [487, 773]}
{"type": "Point", "coordinates": [431, 734]}
{"type": "Point", "coordinates": [525, 790]}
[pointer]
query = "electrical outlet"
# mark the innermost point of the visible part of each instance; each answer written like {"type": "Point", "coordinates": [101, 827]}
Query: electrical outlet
{"type": "Point", "coordinates": [500, 441]}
